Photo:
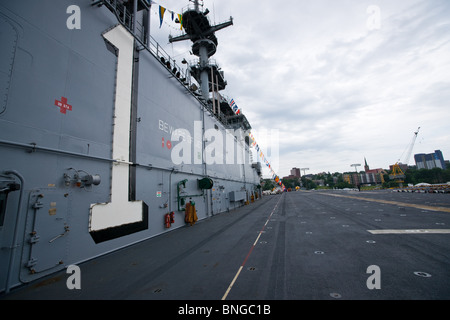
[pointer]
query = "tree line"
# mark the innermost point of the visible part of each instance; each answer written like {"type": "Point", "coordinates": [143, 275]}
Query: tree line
{"type": "Point", "coordinates": [335, 180]}
{"type": "Point", "coordinates": [415, 176]}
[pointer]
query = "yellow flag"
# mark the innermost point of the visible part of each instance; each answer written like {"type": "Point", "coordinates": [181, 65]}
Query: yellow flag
{"type": "Point", "coordinates": [180, 18]}
{"type": "Point", "coordinates": [161, 15]}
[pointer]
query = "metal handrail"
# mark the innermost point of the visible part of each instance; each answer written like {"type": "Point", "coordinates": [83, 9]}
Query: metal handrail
{"type": "Point", "coordinates": [151, 45]}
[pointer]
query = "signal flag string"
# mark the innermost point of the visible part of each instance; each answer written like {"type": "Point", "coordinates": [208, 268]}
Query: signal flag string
{"type": "Point", "coordinates": [254, 144]}
{"type": "Point", "coordinates": [162, 10]}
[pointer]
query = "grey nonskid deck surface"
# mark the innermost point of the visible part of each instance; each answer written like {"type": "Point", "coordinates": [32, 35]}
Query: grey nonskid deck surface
{"type": "Point", "coordinates": [300, 245]}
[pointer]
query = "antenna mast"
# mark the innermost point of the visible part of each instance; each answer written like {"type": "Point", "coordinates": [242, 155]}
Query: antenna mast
{"type": "Point", "coordinates": [196, 6]}
{"type": "Point", "coordinates": [201, 33]}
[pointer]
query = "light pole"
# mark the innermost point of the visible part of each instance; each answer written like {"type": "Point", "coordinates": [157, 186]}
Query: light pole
{"type": "Point", "coordinates": [304, 169]}
{"type": "Point", "coordinates": [356, 165]}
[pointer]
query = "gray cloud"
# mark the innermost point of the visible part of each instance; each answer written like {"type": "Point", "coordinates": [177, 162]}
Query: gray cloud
{"type": "Point", "coordinates": [335, 90]}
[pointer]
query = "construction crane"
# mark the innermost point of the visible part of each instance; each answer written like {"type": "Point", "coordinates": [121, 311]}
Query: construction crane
{"type": "Point", "coordinates": [397, 173]}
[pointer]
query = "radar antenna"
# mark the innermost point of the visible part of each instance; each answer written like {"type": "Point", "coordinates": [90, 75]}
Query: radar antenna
{"type": "Point", "coordinates": [199, 30]}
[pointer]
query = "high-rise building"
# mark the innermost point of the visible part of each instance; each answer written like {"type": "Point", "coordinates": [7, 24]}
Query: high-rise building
{"type": "Point", "coordinates": [295, 172]}
{"type": "Point", "coordinates": [430, 160]}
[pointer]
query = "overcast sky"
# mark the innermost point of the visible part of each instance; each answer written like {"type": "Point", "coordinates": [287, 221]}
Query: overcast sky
{"type": "Point", "coordinates": [325, 83]}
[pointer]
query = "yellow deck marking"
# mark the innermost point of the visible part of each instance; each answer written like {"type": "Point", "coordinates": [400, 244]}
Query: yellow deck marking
{"type": "Point", "coordinates": [409, 231]}
{"type": "Point", "coordinates": [402, 204]}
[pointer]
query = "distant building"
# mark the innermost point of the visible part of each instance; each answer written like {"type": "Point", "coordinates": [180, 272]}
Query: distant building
{"type": "Point", "coordinates": [430, 160]}
{"type": "Point", "coordinates": [352, 178]}
{"type": "Point", "coordinates": [295, 172]}
{"type": "Point", "coordinates": [368, 170]}
{"type": "Point", "coordinates": [363, 178]}
{"type": "Point", "coordinates": [371, 176]}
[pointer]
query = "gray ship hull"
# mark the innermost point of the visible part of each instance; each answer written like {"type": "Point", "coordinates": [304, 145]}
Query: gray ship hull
{"type": "Point", "coordinates": [100, 141]}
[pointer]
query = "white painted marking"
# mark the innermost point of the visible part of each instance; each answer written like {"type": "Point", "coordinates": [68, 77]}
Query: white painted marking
{"type": "Point", "coordinates": [257, 239]}
{"type": "Point", "coordinates": [232, 283]}
{"type": "Point", "coordinates": [245, 260]}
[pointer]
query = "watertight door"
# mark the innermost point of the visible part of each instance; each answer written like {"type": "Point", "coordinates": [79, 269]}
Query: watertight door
{"type": "Point", "coordinates": [216, 200]}
{"type": "Point", "coordinates": [49, 231]}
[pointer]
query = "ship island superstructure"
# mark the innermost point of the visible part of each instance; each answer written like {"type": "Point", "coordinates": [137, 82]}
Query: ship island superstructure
{"type": "Point", "coordinates": [105, 140]}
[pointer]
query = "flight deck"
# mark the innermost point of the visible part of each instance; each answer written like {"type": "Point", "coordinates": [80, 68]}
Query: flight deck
{"type": "Point", "coordinates": [305, 245]}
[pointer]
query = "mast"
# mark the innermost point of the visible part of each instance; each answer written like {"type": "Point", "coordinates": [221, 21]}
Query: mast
{"type": "Point", "coordinates": [196, 6]}
{"type": "Point", "coordinates": [199, 30]}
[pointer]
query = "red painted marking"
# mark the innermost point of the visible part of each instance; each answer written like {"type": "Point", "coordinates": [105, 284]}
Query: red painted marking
{"type": "Point", "coordinates": [264, 226]}
{"type": "Point", "coordinates": [248, 255]}
{"type": "Point", "coordinates": [63, 105]}
{"type": "Point", "coordinates": [162, 142]}
{"type": "Point", "coordinates": [169, 144]}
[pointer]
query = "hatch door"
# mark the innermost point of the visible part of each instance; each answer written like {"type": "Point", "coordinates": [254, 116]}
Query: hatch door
{"type": "Point", "coordinates": [49, 229]}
